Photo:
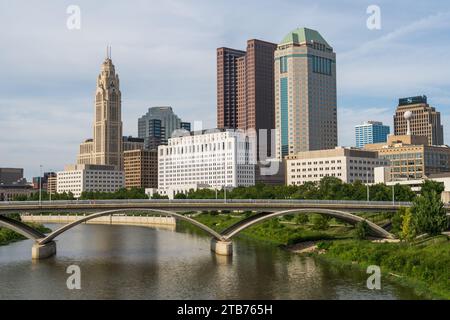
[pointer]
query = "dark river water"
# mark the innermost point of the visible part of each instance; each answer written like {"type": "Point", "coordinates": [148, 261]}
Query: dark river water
{"type": "Point", "coordinates": [132, 262]}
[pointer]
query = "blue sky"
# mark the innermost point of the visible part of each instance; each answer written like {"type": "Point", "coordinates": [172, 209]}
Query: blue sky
{"type": "Point", "coordinates": [164, 52]}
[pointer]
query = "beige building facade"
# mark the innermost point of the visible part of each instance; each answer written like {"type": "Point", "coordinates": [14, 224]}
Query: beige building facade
{"type": "Point", "coordinates": [141, 168]}
{"type": "Point", "coordinates": [425, 120]}
{"type": "Point", "coordinates": [346, 164]}
{"type": "Point", "coordinates": [305, 94]}
{"type": "Point", "coordinates": [106, 146]}
{"type": "Point", "coordinates": [410, 157]}
{"type": "Point", "coordinates": [89, 177]}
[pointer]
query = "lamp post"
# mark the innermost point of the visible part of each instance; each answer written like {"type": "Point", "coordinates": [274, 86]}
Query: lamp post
{"type": "Point", "coordinates": [368, 188]}
{"type": "Point", "coordinates": [393, 195]}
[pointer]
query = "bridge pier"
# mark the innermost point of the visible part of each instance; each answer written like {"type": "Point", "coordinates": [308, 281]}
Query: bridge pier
{"type": "Point", "coordinates": [222, 248]}
{"type": "Point", "coordinates": [43, 251]}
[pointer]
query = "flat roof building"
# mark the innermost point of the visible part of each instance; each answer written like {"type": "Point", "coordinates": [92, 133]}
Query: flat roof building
{"type": "Point", "coordinates": [215, 159]}
{"type": "Point", "coordinates": [10, 176]}
{"type": "Point", "coordinates": [346, 164]}
{"type": "Point", "coordinates": [371, 132]}
{"type": "Point", "coordinates": [410, 157]}
{"type": "Point", "coordinates": [141, 168]}
{"type": "Point", "coordinates": [89, 177]}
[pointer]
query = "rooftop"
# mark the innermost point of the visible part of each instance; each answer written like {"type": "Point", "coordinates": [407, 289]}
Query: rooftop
{"type": "Point", "coordinates": [302, 35]}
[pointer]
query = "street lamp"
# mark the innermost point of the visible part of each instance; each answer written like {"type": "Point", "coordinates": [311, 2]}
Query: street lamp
{"type": "Point", "coordinates": [367, 183]}
{"type": "Point", "coordinates": [393, 195]}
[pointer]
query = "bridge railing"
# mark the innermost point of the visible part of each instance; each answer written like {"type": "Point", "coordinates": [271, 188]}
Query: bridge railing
{"type": "Point", "coordinates": [211, 201]}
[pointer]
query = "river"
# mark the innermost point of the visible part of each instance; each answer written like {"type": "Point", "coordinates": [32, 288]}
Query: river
{"type": "Point", "coordinates": [132, 262]}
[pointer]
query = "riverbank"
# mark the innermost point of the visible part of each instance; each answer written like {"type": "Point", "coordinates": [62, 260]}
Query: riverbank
{"type": "Point", "coordinates": [8, 236]}
{"type": "Point", "coordinates": [168, 223]}
{"type": "Point", "coordinates": [275, 231]}
{"type": "Point", "coordinates": [423, 266]}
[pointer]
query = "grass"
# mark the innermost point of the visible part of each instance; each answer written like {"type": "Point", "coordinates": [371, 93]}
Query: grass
{"type": "Point", "coordinates": [8, 236]}
{"type": "Point", "coordinates": [423, 265]}
{"type": "Point", "coordinates": [272, 231]}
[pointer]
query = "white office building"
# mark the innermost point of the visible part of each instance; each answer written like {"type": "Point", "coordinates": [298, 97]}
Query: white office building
{"type": "Point", "coordinates": [206, 159]}
{"type": "Point", "coordinates": [88, 177]}
{"type": "Point", "coordinates": [347, 164]}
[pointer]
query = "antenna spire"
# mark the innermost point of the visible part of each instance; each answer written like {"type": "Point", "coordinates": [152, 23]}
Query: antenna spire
{"type": "Point", "coordinates": [108, 52]}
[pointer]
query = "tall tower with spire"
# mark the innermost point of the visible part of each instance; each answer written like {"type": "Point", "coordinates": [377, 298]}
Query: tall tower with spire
{"type": "Point", "coordinates": [106, 146]}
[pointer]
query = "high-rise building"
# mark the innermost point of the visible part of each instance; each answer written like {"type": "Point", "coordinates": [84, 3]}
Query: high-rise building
{"type": "Point", "coordinates": [371, 132]}
{"type": "Point", "coordinates": [227, 86]}
{"type": "Point", "coordinates": [425, 121]}
{"type": "Point", "coordinates": [141, 168]}
{"type": "Point", "coordinates": [207, 159]}
{"type": "Point", "coordinates": [245, 87]}
{"type": "Point", "coordinates": [158, 125]}
{"type": "Point", "coordinates": [106, 146]}
{"type": "Point", "coordinates": [132, 143]}
{"type": "Point", "coordinates": [305, 93]}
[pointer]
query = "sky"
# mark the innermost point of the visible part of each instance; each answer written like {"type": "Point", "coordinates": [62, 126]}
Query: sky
{"type": "Point", "coordinates": [165, 55]}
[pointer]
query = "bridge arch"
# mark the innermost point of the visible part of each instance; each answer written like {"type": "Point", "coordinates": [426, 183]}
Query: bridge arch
{"type": "Point", "coordinates": [50, 237]}
{"type": "Point", "coordinates": [340, 215]}
{"type": "Point", "coordinates": [21, 228]}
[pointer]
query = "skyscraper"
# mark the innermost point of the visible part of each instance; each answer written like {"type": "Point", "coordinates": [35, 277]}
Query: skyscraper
{"type": "Point", "coordinates": [425, 121]}
{"type": "Point", "coordinates": [106, 146]}
{"type": "Point", "coordinates": [158, 125]}
{"type": "Point", "coordinates": [227, 86]}
{"type": "Point", "coordinates": [371, 132]}
{"type": "Point", "coordinates": [305, 93]}
{"type": "Point", "coordinates": [245, 86]}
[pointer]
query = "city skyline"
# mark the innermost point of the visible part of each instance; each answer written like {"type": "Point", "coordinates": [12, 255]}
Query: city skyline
{"type": "Point", "coordinates": [48, 97]}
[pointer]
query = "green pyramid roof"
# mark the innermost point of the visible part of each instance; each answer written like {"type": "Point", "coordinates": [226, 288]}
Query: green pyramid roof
{"type": "Point", "coordinates": [301, 35]}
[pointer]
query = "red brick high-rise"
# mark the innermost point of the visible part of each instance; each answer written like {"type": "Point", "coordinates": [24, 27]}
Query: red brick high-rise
{"type": "Point", "coordinates": [245, 86]}
{"type": "Point", "coordinates": [227, 86]}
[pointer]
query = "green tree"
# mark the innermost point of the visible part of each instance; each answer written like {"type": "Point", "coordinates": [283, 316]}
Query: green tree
{"type": "Point", "coordinates": [180, 196]}
{"type": "Point", "coordinates": [408, 230]}
{"type": "Point", "coordinates": [428, 211]}
{"type": "Point", "coordinates": [320, 222]}
{"type": "Point", "coordinates": [397, 221]}
{"type": "Point", "coordinates": [362, 230]}
{"type": "Point", "coordinates": [301, 219]}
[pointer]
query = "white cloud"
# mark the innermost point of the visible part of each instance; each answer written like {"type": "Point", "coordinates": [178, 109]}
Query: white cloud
{"type": "Point", "coordinates": [164, 52]}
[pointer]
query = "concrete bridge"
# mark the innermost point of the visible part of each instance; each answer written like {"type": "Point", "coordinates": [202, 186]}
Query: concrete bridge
{"type": "Point", "coordinates": [221, 243]}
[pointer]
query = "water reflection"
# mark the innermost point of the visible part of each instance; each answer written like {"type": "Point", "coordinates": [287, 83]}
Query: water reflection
{"type": "Point", "coordinates": [131, 262]}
